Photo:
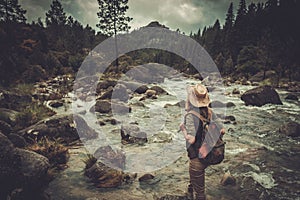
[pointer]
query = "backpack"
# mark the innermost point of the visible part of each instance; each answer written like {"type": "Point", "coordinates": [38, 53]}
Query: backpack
{"type": "Point", "coordinates": [212, 137]}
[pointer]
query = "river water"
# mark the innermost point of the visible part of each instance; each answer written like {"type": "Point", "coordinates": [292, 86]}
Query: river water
{"type": "Point", "coordinates": [265, 163]}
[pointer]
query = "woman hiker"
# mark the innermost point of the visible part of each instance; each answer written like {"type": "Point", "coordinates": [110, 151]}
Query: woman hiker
{"type": "Point", "coordinates": [197, 100]}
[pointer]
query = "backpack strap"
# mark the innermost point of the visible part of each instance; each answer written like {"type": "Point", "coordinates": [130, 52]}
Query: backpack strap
{"type": "Point", "coordinates": [203, 119]}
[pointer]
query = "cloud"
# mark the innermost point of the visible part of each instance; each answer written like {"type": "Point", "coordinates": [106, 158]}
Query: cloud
{"type": "Point", "coordinates": [181, 14]}
{"type": "Point", "coordinates": [85, 11]}
{"type": "Point", "coordinates": [187, 15]}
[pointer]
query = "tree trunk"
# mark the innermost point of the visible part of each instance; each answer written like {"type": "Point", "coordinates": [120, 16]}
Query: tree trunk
{"type": "Point", "coordinates": [116, 40]}
{"type": "Point", "coordinates": [117, 53]}
{"type": "Point", "coordinates": [6, 11]}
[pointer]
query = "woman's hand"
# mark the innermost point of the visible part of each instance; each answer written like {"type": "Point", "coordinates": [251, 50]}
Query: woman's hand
{"type": "Point", "coordinates": [182, 127]}
{"type": "Point", "coordinates": [189, 138]}
{"type": "Point", "coordinates": [222, 131]}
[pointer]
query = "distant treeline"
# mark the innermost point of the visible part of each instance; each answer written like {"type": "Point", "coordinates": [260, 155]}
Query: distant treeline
{"type": "Point", "coordinates": [260, 37]}
{"type": "Point", "coordinates": [32, 52]}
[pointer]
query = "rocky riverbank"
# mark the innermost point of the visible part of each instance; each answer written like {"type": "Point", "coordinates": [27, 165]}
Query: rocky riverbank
{"type": "Point", "coordinates": [258, 160]}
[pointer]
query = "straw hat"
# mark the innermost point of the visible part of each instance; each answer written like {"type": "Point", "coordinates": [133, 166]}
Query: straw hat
{"type": "Point", "coordinates": [198, 95]}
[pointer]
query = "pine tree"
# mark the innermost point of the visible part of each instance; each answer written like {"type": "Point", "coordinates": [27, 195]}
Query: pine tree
{"type": "Point", "coordinates": [242, 11]}
{"type": "Point", "coordinates": [40, 23]}
{"type": "Point", "coordinates": [239, 38]}
{"type": "Point", "coordinates": [229, 18]}
{"type": "Point", "coordinates": [227, 36]}
{"type": "Point", "coordinates": [10, 10]}
{"type": "Point", "coordinates": [56, 15]}
{"type": "Point", "coordinates": [113, 19]}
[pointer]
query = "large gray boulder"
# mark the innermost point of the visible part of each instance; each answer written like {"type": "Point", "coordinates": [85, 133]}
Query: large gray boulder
{"type": "Point", "coordinates": [21, 169]}
{"type": "Point", "coordinates": [260, 96]}
{"type": "Point", "coordinates": [131, 134]}
{"type": "Point", "coordinates": [105, 169]}
{"type": "Point", "coordinates": [105, 106]}
{"type": "Point", "coordinates": [33, 166]}
{"type": "Point", "coordinates": [63, 127]}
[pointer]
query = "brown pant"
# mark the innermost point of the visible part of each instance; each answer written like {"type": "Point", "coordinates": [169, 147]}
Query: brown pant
{"type": "Point", "coordinates": [197, 178]}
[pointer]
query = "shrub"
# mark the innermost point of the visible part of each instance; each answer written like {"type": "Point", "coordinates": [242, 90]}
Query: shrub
{"type": "Point", "coordinates": [54, 150]}
{"type": "Point", "coordinates": [89, 161]}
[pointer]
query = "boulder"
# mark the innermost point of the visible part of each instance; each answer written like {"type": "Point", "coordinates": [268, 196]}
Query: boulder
{"type": "Point", "coordinates": [63, 127]}
{"type": "Point", "coordinates": [5, 128]}
{"type": "Point", "coordinates": [103, 106]}
{"type": "Point", "coordinates": [83, 129]}
{"type": "Point", "coordinates": [112, 121]}
{"type": "Point", "coordinates": [56, 104]}
{"type": "Point", "coordinates": [9, 166]}
{"type": "Point", "coordinates": [150, 93]}
{"type": "Point", "coordinates": [229, 118]}
{"type": "Point", "coordinates": [120, 93]}
{"type": "Point", "coordinates": [217, 104]}
{"type": "Point", "coordinates": [17, 140]}
{"type": "Point", "coordinates": [21, 169]}
{"type": "Point", "coordinates": [33, 166]}
{"type": "Point", "coordinates": [108, 156]}
{"type": "Point", "coordinates": [146, 177]}
{"type": "Point", "coordinates": [228, 179]}
{"type": "Point", "coordinates": [291, 97]}
{"type": "Point", "coordinates": [107, 94]}
{"type": "Point", "coordinates": [158, 90]}
{"type": "Point", "coordinates": [106, 169]}
{"type": "Point", "coordinates": [141, 89]}
{"type": "Point", "coordinates": [53, 127]}
{"type": "Point", "coordinates": [260, 96]}
{"type": "Point", "coordinates": [103, 176]}
{"type": "Point", "coordinates": [131, 134]}
{"type": "Point", "coordinates": [230, 104]}
{"type": "Point", "coordinates": [236, 91]}
{"type": "Point", "coordinates": [105, 84]}
{"type": "Point", "coordinates": [291, 129]}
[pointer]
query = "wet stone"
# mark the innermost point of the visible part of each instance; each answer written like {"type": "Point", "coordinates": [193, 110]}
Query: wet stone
{"type": "Point", "coordinates": [228, 179]}
{"type": "Point", "coordinates": [131, 134]}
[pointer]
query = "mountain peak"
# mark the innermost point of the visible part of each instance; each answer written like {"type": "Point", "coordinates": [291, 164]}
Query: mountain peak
{"type": "Point", "coordinates": [156, 24]}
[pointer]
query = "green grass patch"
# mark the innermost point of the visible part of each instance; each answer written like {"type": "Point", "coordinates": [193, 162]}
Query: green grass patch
{"type": "Point", "coordinates": [23, 89]}
{"type": "Point", "coordinates": [31, 114]}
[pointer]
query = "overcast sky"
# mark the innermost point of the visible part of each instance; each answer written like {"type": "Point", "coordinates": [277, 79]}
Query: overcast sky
{"type": "Point", "coordinates": [187, 15]}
